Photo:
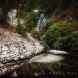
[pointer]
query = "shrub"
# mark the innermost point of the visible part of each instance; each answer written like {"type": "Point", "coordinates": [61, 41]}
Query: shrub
{"type": "Point", "coordinates": [52, 36]}
{"type": "Point", "coordinates": [29, 23]}
{"type": "Point", "coordinates": [20, 29]}
{"type": "Point", "coordinates": [69, 43]}
{"type": "Point", "coordinates": [56, 31]}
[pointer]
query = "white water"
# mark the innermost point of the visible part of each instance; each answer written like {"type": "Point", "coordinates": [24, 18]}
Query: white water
{"type": "Point", "coordinates": [57, 52]}
{"type": "Point", "coordinates": [12, 17]}
{"type": "Point", "coordinates": [46, 58]}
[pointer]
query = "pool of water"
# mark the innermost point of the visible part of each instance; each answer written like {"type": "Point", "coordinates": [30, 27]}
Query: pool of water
{"type": "Point", "coordinates": [47, 58]}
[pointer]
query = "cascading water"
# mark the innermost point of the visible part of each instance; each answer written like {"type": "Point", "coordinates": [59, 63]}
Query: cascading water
{"type": "Point", "coordinates": [12, 17]}
{"type": "Point", "coordinates": [42, 22]}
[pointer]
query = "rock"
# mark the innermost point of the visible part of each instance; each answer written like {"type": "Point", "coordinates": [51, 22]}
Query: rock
{"type": "Point", "coordinates": [13, 47]}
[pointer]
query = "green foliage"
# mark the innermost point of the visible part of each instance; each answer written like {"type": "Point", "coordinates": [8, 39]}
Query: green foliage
{"type": "Point", "coordinates": [29, 23]}
{"type": "Point", "coordinates": [57, 31]}
{"type": "Point", "coordinates": [21, 30]}
{"type": "Point", "coordinates": [30, 5]}
{"type": "Point", "coordinates": [52, 36]}
{"type": "Point", "coordinates": [59, 35]}
{"type": "Point", "coordinates": [69, 43]}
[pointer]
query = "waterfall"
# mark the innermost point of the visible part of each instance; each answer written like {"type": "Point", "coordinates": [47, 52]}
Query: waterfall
{"type": "Point", "coordinates": [42, 22]}
{"type": "Point", "coordinates": [12, 17]}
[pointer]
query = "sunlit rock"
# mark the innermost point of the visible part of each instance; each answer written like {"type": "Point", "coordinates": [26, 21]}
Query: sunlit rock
{"type": "Point", "coordinates": [13, 47]}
